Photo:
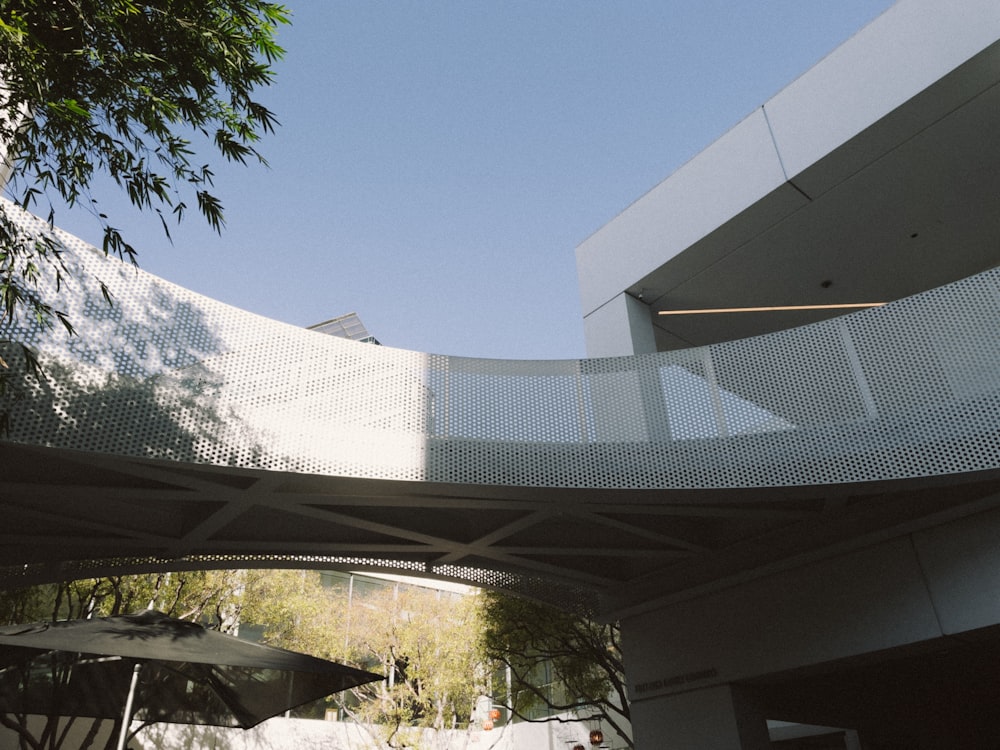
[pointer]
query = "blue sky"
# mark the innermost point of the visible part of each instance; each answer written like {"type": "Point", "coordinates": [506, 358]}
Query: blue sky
{"type": "Point", "coordinates": [438, 162]}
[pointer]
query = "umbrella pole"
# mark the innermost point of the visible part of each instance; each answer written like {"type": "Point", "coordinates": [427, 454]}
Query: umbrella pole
{"type": "Point", "coordinates": [127, 716]}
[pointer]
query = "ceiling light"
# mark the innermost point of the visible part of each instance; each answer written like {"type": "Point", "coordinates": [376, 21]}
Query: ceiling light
{"type": "Point", "coordinates": [772, 308]}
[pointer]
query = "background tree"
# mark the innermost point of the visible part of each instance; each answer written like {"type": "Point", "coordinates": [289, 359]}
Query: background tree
{"type": "Point", "coordinates": [561, 663]}
{"type": "Point", "coordinates": [294, 610]}
{"type": "Point", "coordinates": [423, 640]}
{"type": "Point", "coordinates": [425, 643]}
{"type": "Point", "coordinates": [122, 89]}
{"type": "Point", "coordinates": [206, 596]}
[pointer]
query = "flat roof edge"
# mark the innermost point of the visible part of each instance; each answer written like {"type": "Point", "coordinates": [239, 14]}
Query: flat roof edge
{"type": "Point", "coordinates": [891, 61]}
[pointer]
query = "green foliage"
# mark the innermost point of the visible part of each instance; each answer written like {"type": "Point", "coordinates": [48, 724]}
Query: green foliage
{"type": "Point", "coordinates": [557, 662]}
{"type": "Point", "coordinates": [122, 89]}
{"type": "Point", "coordinates": [424, 642]}
{"type": "Point", "coordinates": [207, 596]}
{"type": "Point", "coordinates": [296, 611]}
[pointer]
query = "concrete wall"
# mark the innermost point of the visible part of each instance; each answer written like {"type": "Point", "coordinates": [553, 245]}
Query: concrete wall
{"type": "Point", "coordinates": [721, 182]}
{"type": "Point", "coordinates": [692, 656]}
{"type": "Point", "coordinates": [848, 111]}
{"type": "Point", "coordinates": [619, 328]}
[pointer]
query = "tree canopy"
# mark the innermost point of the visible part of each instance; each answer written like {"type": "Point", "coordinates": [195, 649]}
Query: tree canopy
{"type": "Point", "coordinates": [423, 640]}
{"type": "Point", "coordinates": [560, 665]}
{"type": "Point", "coordinates": [128, 90]}
{"type": "Point", "coordinates": [434, 648]}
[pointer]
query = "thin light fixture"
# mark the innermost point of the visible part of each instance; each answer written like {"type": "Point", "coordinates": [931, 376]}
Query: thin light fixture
{"type": "Point", "coordinates": [846, 305]}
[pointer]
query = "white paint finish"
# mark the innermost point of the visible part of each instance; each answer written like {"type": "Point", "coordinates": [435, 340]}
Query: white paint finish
{"type": "Point", "coordinates": [868, 600]}
{"type": "Point", "coordinates": [904, 51]}
{"type": "Point", "coordinates": [6, 167]}
{"type": "Point", "coordinates": [169, 377]}
{"type": "Point", "coordinates": [6, 158]}
{"type": "Point", "coordinates": [619, 328]}
{"type": "Point", "coordinates": [925, 114]}
{"type": "Point", "coordinates": [710, 719]}
{"type": "Point", "coordinates": [961, 561]}
{"type": "Point", "coordinates": [701, 258]}
{"type": "Point", "coordinates": [923, 214]}
{"type": "Point", "coordinates": [882, 106]}
{"type": "Point", "coordinates": [710, 189]}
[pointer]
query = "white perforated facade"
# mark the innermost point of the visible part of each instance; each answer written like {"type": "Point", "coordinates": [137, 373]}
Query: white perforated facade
{"type": "Point", "coordinates": [907, 390]}
{"type": "Point", "coordinates": [824, 492]}
{"type": "Point", "coordinates": [583, 473]}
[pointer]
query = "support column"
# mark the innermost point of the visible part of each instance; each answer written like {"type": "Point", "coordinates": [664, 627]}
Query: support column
{"type": "Point", "coordinates": [6, 164]}
{"type": "Point", "coordinates": [724, 717]}
{"type": "Point", "coordinates": [16, 117]}
{"type": "Point", "coordinates": [621, 327]}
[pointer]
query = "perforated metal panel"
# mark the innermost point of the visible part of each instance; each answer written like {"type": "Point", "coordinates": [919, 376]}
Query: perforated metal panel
{"type": "Point", "coordinates": [910, 389]}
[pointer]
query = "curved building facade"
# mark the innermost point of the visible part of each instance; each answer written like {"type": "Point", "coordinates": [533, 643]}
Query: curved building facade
{"type": "Point", "coordinates": [795, 518]}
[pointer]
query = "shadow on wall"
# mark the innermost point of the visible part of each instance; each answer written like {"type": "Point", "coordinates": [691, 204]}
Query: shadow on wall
{"type": "Point", "coordinates": [166, 373]}
{"type": "Point", "coordinates": [79, 407]}
{"type": "Point", "coordinates": [129, 381]}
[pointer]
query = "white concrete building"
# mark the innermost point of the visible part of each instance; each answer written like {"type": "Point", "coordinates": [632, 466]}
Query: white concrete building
{"type": "Point", "coordinates": [869, 178]}
{"type": "Point", "coordinates": [873, 176]}
{"type": "Point", "coordinates": [794, 524]}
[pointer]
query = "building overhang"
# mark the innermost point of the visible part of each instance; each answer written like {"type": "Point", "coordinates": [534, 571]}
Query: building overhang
{"type": "Point", "coordinates": [873, 176]}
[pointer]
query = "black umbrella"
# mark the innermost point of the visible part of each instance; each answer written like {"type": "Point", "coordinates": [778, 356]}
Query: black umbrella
{"type": "Point", "coordinates": [170, 670]}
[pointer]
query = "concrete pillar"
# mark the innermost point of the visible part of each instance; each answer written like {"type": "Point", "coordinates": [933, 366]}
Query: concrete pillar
{"type": "Point", "coordinates": [621, 327]}
{"type": "Point", "coordinates": [624, 327]}
{"type": "Point", "coordinates": [723, 717]}
{"type": "Point", "coordinates": [6, 164]}
{"type": "Point", "coordinates": [7, 119]}
{"type": "Point", "coordinates": [5, 167]}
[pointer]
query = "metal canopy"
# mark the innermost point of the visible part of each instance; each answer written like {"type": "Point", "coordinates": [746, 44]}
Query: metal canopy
{"type": "Point", "coordinates": [71, 515]}
{"type": "Point", "coordinates": [176, 431]}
